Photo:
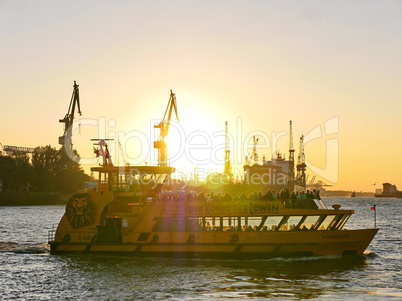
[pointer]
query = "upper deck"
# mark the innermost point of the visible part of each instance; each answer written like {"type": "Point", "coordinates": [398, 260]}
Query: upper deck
{"type": "Point", "coordinates": [133, 180]}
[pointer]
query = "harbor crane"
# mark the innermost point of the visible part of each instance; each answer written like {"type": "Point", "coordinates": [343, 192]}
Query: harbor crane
{"type": "Point", "coordinates": [69, 118]}
{"type": "Point", "coordinates": [163, 126]}
{"type": "Point", "coordinates": [228, 167]}
{"type": "Point", "coordinates": [301, 165]}
{"type": "Point", "coordinates": [291, 156]}
{"type": "Point", "coordinates": [253, 156]}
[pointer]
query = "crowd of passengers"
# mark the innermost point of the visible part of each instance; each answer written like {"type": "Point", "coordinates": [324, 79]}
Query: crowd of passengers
{"type": "Point", "coordinates": [290, 199]}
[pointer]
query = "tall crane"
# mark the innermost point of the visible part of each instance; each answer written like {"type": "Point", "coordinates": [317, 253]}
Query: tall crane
{"type": "Point", "coordinates": [163, 126]}
{"type": "Point", "coordinates": [291, 158]}
{"type": "Point", "coordinates": [291, 148]}
{"type": "Point", "coordinates": [227, 168]}
{"type": "Point", "coordinates": [69, 118]}
{"type": "Point", "coordinates": [301, 165]}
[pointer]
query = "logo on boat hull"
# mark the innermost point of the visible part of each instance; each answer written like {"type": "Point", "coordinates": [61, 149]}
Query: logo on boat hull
{"type": "Point", "coordinates": [80, 210]}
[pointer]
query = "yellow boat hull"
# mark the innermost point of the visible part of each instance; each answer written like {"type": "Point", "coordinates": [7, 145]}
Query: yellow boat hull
{"type": "Point", "coordinates": [247, 245]}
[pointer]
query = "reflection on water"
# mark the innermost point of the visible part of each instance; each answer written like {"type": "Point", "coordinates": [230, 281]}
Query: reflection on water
{"type": "Point", "coordinates": [299, 278]}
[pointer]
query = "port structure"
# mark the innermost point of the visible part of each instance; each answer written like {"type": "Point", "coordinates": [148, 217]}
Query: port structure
{"type": "Point", "coordinates": [227, 168]}
{"type": "Point", "coordinates": [291, 156]}
{"type": "Point", "coordinates": [301, 165]}
{"type": "Point", "coordinates": [163, 126]}
{"type": "Point", "coordinates": [10, 150]}
{"type": "Point", "coordinates": [69, 118]}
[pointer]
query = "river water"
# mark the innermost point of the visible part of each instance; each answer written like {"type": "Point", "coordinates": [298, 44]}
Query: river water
{"type": "Point", "coordinates": [29, 272]}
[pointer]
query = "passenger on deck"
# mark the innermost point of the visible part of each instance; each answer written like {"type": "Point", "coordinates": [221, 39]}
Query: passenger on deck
{"type": "Point", "coordinates": [243, 197]}
{"type": "Point", "coordinates": [293, 200]}
{"type": "Point", "coordinates": [189, 197]}
{"type": "Point", "coordinates": [201, 197]}
{"type": "Point", "coordinates": [226, 197]}
{"type": "Point", "coordinates": [316, 194]}
{"type": "Point", "coordinates": [284, 194]}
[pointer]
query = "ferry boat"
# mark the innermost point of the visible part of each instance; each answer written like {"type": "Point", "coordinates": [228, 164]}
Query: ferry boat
{"type": "Point", "coordinates": [131, 211]}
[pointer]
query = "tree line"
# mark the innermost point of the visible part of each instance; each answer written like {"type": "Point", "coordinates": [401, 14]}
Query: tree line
{"type": "Point", "coordinates": [49, 170]}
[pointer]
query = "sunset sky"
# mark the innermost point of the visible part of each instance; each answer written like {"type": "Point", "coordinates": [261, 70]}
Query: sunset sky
{"type": "Point", "coordinates": [332, 67]}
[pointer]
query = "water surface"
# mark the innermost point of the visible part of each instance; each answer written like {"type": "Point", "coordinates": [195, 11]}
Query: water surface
{"type": "Point", "coordinates": [29, 272]}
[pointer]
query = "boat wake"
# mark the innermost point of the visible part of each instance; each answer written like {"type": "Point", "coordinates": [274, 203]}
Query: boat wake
{"type": "Point", "coordinates": [370, 254]}
{"type": "Point", "coordinates": [15, 247]}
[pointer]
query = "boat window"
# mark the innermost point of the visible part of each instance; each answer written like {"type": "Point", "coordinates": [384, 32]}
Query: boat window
{"type": "Point", "coordinates": [272, 222]}
{"type": "Point", "coordinates": [134, 178]}
{"type": "Point", "coordinates": [309, 222]}
{"type": "Point", "coordinates": [334, 222]}
{"type": "Point", "coordinates": [250, 223]}
{"type": "Point", "coordinates": [210, 223]}
{"type": "Point", "coordinates": [343, 221]}
{"type": "Point", "coordinates": [291, 223]}
{"type": "Point", "coordinates": [327, 222]}
{"type": "Point", "coordinates": [161, 178]}
{"type": "Point", "coordinates": [229, 223]}
{"type": "Point", "coordinates": [103, 178]}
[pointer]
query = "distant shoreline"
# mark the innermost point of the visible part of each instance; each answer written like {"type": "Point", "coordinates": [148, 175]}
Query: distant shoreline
{"type": "Point", "coordinates": [32, 198]}
{"type": "Point", "coordinates": [346, 193]}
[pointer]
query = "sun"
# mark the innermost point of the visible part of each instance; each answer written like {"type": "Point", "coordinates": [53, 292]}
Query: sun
{"type": "Point", "coordinates": [197, 141]}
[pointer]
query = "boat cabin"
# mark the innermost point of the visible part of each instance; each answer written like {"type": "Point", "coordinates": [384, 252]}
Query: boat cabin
{"type": "Point", "coordinates": [133, 181]}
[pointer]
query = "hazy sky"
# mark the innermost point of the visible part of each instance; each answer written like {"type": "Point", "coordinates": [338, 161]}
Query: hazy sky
{"type": "Point", "coordinates": [332, 67]}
